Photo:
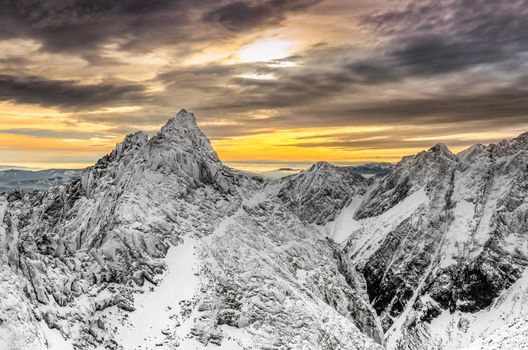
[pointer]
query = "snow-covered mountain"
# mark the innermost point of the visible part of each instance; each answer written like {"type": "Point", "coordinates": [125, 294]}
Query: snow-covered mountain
{"type": "Point", "coordinates": [36, 180]}
{"type": "Point", "coordinates": [368, 170]}
{"type": "Point", "coordinates": [161, 246]}
{"type": "Point", "coordinates": [319, 193]}
{"type": "Point", "coordinates": [441, 241]}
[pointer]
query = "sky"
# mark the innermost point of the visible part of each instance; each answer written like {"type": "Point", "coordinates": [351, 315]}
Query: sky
{"type": "Point", "coordinates": [273, 83]}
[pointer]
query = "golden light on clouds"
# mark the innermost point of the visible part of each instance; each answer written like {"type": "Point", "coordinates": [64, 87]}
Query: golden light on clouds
{"type": "Point", "coordinates": [282, 146]}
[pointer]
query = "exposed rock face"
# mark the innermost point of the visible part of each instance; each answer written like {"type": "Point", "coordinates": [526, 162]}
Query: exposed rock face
{"type": "Point", "coordinates": [456, 247]}
{"type": "Point", "coordinates": [318, 194]}
{"type": "Point", "coordinates": [297, 283]}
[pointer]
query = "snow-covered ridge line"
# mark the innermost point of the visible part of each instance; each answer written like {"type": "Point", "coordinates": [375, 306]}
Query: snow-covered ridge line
{"type": "Point", "coordinates": [439, 235]}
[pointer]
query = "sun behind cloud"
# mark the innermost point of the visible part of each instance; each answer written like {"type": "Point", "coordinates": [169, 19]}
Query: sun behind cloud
{"type": "Point", "coordinates": [266, 50]}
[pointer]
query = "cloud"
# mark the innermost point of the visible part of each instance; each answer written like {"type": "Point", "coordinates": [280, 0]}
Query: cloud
{"type": "Point", "coordinates": [84, 26]}
{"type": "Point", "coordinates": [326, 88]}
{"type": "Point", "coordinates": [244, 15]}
{"type": "Point", "coordinates": [68, 94]}
{"type": "Point", "coordinates": [505, 103]}
{"type": "Point", "coordinates": [374, 145]}
{"type": "Point", "coordinates": [14, 167]}
{"type": "Point", "coordinates": [70, 134]}
{"type": "Point", "coordinates": [415, 136]}
{"type": "Point", "coordinates": [443, 36]}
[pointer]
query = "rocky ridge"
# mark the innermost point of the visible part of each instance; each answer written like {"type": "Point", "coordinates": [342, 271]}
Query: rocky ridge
{"type": "Point", "coordinates": [79, 259]}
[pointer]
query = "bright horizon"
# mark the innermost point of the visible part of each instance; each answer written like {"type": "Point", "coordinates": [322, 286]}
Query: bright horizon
{"type": "Point", "coordinates": [256, 165]}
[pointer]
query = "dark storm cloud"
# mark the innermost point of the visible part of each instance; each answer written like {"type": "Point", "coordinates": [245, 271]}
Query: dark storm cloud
{"type": "Point", "coordinates": [443, 36]}
{"type": "Point", "coordinates": [481, 20]}
{"type": "Point", "coordinates": [432, 54]}
{"type": "Point", "coordinates": [67, 94]}
{"type": "Point", "coordinates": [424, 40]}
{"type": "Point", "coordinates": [243, 15]}
{"type": "Point", "coordinates": [81, 26]}
{"type": "Point", "coordinates": [507, 104]}
{"type": "Point", "coordinates": [470, 40]}
{"type": "Point", "coordinates": [484, 110]}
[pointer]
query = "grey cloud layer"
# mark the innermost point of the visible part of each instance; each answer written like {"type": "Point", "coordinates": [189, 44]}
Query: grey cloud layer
{"type": "Point", "coordinates": [437, 62]}
{"type": "Point", "coordinates": [444, 36]}
{"type": "Point", "coordinates": [67, 94]}
{"type": "Point", "coordinates": [241, 15]}
{"type": "Point", "coordinates": [82, 26]}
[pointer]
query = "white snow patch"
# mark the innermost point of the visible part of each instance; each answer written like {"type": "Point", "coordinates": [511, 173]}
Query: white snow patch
{"type": "Point", "coordinates": [156, 309]}
{"type": "Point", "coordinates": [345, 224]}
{"type": "Point", "coordinates": [456, 235]}
{"type": "Point", "coordinates": [55, 339]}
{"type": "Point", "coordinates": [500, 185]}
{"type": "Point", "coordinates": [374, 229]}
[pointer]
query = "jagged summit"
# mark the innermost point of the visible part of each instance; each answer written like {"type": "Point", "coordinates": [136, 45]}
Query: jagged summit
{"type": "Point", "coordinates": [441, 150]}
{"type": "Point", "coordinates": [318, 193]}
{"type": "Point", "coordinates": [182, 132]}
{"type": "Point", "coordinates": [471, 152]}
{"type": "Point", "coordinates": [440, 147]}
{"type": "Point", "coordinates": [183, 119]}
{"type": "Point", "coordinates": [321, 165]}
{"type": "Point", "coordinates": [179, 148]}
{"type": "Point", "coordinates": [520, 141]}
{"type": "Point", "coordinates": [523, 136]}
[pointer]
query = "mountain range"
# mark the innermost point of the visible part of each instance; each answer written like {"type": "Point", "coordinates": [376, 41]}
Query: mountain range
{"type": "Point", "coordinates": [36, 180]}
{"type": "Point", "coordinates": [28, 180]}
{"type": "Point", "coordinates": [159, 245]}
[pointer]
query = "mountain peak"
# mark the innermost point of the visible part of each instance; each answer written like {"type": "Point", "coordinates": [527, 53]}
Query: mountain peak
{"type": "Point", "coordinates": [183, 132]}
{"type": "Point", "coordinates": [183, 119]}
{"type": "Point", "coordinates": [522, 137]}
{"type": "Point", "coordinates": [471, 152]}
{"type": "Point", "coordinates": [440, 148]}
{"type": "Point", "coordinates": [321, 165]}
